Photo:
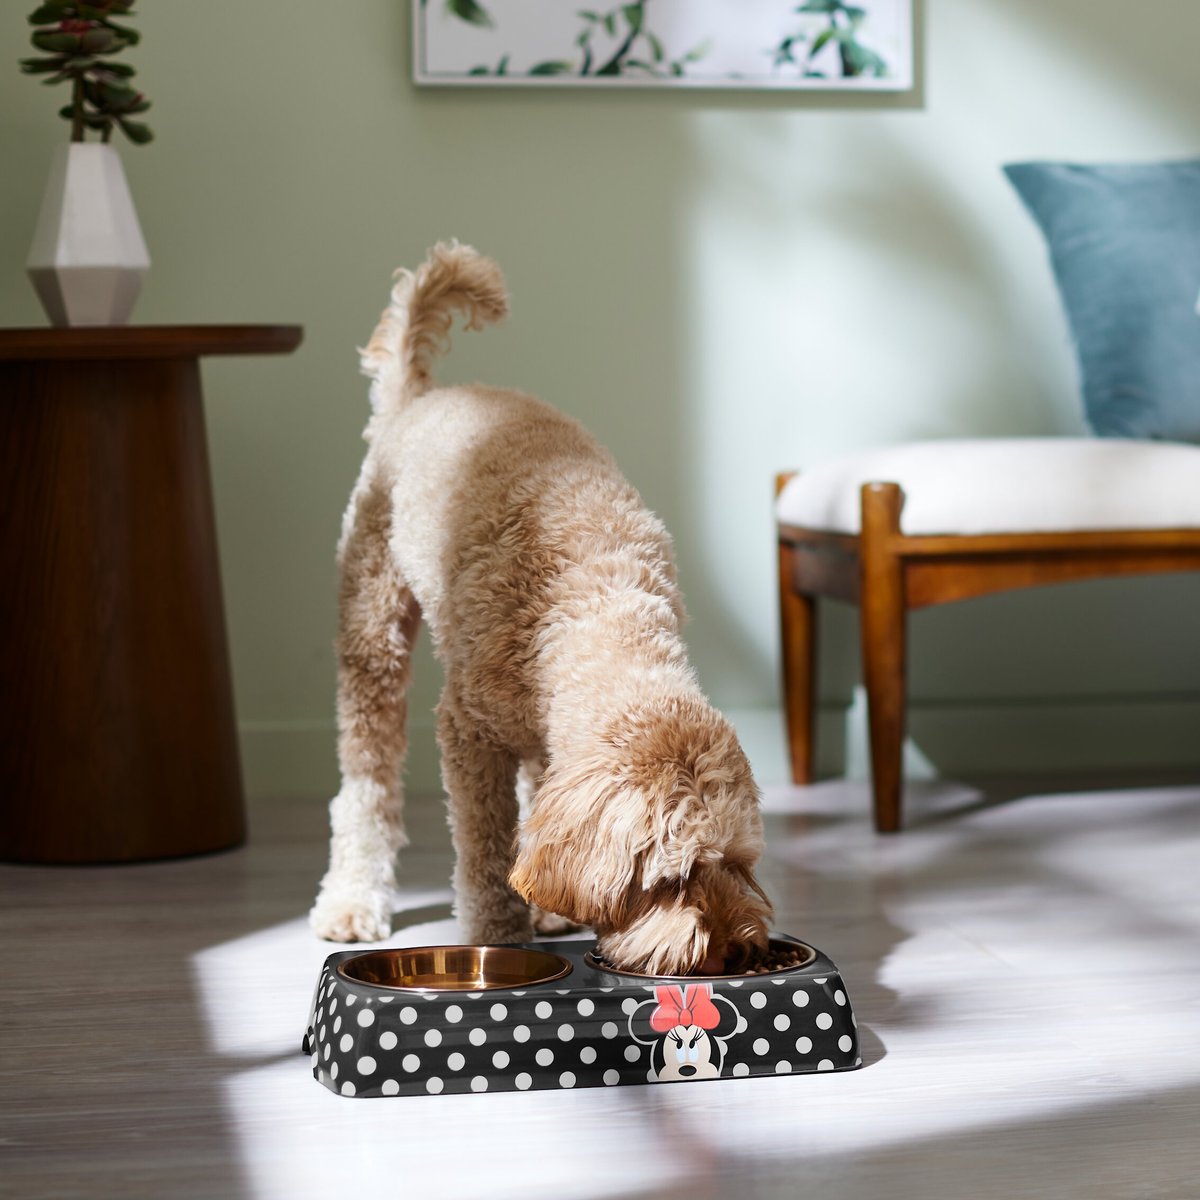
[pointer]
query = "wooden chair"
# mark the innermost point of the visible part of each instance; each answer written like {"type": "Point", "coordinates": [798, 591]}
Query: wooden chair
{"type": "Point", "coordinates": [921, 524]}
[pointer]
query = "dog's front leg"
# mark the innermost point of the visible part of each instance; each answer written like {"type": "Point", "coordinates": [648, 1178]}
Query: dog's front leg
{"type": "Point", "coordinates": [546, 923]}
{"type": "Point", "coordinates": [480, 782]}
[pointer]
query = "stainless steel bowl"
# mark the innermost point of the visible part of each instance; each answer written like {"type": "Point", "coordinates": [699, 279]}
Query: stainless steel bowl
{"type": "Point", "coordinates": [453, 968]}
{"type": "Point", "coordinates": [775, 945]}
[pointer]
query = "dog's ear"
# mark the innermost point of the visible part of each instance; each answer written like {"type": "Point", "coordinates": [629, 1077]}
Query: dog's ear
{"type": "Point", "coordinates": [545, 874]}
{"type": "Point", "coordinates": [581, 845]}
{"type": "Point", "coordinates": [692, 775]}
{"type": "Point", "coordinates": [686, 836]}
{"type": "Point", "coordinates": [747, 876]}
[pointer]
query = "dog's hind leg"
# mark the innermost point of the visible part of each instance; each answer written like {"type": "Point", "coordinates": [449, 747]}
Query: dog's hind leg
{"type": "Point", "coordinates": [378, 623]}
{"type": "Point", "coordinates": [480, 781]}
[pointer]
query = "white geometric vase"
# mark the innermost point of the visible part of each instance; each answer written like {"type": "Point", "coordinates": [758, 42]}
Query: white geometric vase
{"type": "Point", "coordinates": [88, 256]}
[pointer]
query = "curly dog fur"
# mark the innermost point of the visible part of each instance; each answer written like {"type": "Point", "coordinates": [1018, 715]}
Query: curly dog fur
{"type": "Point", "coordinates": [551, 597]}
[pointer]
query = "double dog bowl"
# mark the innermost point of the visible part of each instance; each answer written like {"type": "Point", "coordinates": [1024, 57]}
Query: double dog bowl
{"type": "Point", "coordinates": [433, 1020]}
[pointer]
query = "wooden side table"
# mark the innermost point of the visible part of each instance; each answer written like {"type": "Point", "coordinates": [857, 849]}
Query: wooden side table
{"type": "Point", "coordinates": [117, 733]}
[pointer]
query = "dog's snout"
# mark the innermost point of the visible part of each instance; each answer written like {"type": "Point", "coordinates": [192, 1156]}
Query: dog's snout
{"type": "Point", "coordinates": [726, 958]}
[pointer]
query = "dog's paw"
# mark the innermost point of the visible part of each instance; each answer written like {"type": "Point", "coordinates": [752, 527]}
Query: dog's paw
{"type": "Point", "coordinates": [551, 924]}
{"type": "Point", "coordinates": [349, 921]}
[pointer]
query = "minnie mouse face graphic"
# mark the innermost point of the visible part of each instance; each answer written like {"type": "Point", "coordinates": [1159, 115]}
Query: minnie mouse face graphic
{"type": "Point", "coordinates": [687, 1030]}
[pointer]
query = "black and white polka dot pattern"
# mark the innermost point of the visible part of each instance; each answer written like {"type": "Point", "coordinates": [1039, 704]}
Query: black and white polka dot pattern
{"type": "Point", "coordinates": [588, 1029]}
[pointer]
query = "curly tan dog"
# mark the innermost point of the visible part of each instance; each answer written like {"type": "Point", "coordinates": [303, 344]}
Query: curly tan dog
{"type": "Point", "coordinates": [550, 593]}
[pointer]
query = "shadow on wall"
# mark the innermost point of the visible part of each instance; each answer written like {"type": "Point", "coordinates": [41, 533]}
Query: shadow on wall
{"type": "Point", "coordinates": [812, 296]}
{"type": "Point", "coordinates": [796, 236]}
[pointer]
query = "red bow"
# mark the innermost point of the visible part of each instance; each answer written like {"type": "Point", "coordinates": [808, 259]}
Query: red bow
{"type": "Point", "coordinates": [676, 1008]}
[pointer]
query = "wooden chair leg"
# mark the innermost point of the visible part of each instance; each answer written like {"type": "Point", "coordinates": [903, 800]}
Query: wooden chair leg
{"type": "Point", "coordinates": [798, 639]}
{"type": "Point", "coordinates": [884, 650]}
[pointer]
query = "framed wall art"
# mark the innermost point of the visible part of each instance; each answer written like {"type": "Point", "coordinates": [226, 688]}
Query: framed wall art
{"type": "Point", "coordinates": [814, 44]}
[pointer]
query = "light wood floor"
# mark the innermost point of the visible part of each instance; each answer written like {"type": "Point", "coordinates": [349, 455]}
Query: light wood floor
{"type": "Point", "coordinates": [1023, 961]}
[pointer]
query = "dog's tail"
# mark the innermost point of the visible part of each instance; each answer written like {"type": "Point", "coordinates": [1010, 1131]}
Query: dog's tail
{"type": "Point", "coordinates": [415, 326]}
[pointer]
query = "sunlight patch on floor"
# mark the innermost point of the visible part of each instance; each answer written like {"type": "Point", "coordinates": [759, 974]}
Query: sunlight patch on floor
{"type": "Point", "coordinates": [1011, 967]}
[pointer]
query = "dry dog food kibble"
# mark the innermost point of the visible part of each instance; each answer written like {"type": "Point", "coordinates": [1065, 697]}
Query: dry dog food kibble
{"type": "Point", "coordinates": [776, 959]}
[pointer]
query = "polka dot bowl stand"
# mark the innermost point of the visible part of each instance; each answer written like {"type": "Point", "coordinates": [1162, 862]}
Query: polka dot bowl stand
{"type": "Point", "coordinates": [589, 1028]}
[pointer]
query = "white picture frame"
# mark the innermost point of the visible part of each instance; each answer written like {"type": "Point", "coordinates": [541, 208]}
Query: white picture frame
{"type": "Point", "coordinates": [860, 45]}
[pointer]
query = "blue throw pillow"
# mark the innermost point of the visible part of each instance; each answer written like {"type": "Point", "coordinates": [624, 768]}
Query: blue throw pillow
{"type": "Point", "coordinates": [1125, 245]}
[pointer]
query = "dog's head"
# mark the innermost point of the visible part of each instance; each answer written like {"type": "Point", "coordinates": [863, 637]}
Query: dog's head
{"type": "Point", "coordinates": [650, 836]}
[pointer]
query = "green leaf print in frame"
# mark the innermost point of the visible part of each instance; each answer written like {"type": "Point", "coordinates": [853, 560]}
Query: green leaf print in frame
{"type": "Point", "coordinates": [755, 44]}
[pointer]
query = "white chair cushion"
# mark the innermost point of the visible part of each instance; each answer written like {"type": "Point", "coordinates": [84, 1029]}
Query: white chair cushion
{"type": "Point", "coordinates": [1007, 485]}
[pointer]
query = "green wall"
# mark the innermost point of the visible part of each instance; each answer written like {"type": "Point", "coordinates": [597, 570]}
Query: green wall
{"type": "Point", "coordinates": [720, 285]}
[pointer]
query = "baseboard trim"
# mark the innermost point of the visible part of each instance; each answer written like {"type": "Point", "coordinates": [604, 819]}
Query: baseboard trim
{"type": "Point", "coordinates": [1121, 733]}
{"type": "Point", "coordinates": [299, 758]}
{"type": "Point", "coordinates": [993, 737]}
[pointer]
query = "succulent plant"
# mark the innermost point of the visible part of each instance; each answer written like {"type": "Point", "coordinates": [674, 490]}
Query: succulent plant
{"type": "Point", "coordinates": [77, 41]}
